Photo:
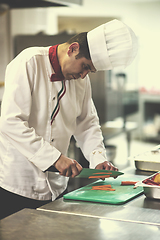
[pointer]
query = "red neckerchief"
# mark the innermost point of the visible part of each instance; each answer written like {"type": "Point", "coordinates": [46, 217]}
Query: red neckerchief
{"type": "Point", "coordinates": [57, 76]}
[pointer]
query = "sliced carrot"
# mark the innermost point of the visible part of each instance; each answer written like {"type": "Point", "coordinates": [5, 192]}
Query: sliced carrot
{"type": "Point", "coordinates": [109, 186]}
{"type": "Point", "coordinates": [104, 189]}
{"type": "Point", "coordinates": [102, 176]}
{"type": "Point", "coordinates": [123, 183]}
{"type": "Point", "coordinates": [103, 173]}
{"type": "Point", "coordinates": [102, 186]}
{"type": "Point", "coordinates": [111, 189]}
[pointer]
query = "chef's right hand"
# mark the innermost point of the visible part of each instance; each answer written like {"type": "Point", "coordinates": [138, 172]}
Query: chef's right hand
{"type": "Point", "coordinates": [67, 167]}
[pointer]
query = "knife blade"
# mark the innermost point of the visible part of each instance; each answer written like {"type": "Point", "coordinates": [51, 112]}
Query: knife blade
{"type": "Point", "coordinates": [97, 173]}
{"type": "Point", "coordinates": [88, 172]}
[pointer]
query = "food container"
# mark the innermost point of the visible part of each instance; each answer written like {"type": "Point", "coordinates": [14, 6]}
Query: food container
{"type": "Point", "coordinates": [148, 161]}
{"type": "Point", "coordinates": [151, 191]}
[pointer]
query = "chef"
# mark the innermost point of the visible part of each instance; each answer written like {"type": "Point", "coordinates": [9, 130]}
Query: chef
{"type": "Point", "coordinates": [47, 100]}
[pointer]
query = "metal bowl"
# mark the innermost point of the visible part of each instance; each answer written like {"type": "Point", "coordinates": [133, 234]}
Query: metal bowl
{"type": "Point", "coordinates": [151, 191]}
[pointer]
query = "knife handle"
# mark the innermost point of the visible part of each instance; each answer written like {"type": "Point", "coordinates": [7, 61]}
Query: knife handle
{"type": "Point", "coordinates": [52, 169]}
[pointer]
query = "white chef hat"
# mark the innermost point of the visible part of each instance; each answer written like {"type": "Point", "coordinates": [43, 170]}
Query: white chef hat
{"type": "Point", "coordinates": [111, 45]}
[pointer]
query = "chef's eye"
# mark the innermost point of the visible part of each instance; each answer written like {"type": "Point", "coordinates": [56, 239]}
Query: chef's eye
{"type": "Point", "coordinates": [86, 67]}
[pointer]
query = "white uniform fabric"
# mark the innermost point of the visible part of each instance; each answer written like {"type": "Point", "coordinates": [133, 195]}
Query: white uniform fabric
{"type": "Point", "coordinates": [29, 144]}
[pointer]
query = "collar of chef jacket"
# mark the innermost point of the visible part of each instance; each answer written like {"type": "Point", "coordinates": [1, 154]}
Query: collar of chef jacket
{"type": "Point", "coordinates": [57, 76]}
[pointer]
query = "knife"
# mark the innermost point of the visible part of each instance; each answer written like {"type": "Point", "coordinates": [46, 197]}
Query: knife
{"type": "Point", "coordinates": [92, 173]}
{"type": "Point", "coordinates": [98, 173]}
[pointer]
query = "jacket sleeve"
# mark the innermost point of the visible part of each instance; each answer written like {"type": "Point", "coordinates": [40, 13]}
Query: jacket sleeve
{"type": "Point", "coordinates": [88, 134]}
{"type": "Point", "coordinates": [16, 107]}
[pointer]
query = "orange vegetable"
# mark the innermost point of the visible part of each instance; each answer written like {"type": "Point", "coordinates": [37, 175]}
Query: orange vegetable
{"type": "Point", "coordinates": [103, 173]}
{"type": "Point", "coordinates": [123, 183]}
{"type": "Point", "coordinates": [102, 176]}
{"type": "Point", "coordinates": [103, 187]}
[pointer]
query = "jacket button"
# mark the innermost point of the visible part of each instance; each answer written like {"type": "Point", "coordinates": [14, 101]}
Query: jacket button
{"type": "Point", "coordinates": [52, 139]}
{"type": "Point", "coordinates": [53, 98]}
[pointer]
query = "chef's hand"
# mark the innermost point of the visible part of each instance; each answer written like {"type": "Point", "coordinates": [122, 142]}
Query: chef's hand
{"type": "Point", "coordinates": [68, 167]}
{"type": "Point", "coordinates": [106, 166]}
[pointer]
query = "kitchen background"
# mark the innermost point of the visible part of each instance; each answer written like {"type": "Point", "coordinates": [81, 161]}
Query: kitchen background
{"type": "Point", "coordinates": [122, 96]}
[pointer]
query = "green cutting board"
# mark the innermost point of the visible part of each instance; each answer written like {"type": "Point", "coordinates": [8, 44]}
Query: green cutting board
{"type": "Point", "coordinates": [121, 194]}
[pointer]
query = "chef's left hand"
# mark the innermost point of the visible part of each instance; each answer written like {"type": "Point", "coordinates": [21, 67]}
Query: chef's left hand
{"type": "Point", "coordinates": [106, 166]}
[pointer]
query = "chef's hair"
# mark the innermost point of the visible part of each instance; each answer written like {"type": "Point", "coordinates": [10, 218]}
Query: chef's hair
{"type": "Point", "coordinates": [81, 38]}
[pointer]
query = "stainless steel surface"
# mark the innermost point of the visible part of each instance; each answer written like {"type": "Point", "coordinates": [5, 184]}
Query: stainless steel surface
{"type": "Point", "coordinates": [132, 170]}
{"type": "Point", "coordinates": [138, 210]}
{"type": "Point", "coordinates": [148, 161]}
{"type": "Point", "coordinates": [147, 165]}
{"type": "Point", "coordinates": [152, 192]}
{"type": "Point", "coordinates": [38, 225]}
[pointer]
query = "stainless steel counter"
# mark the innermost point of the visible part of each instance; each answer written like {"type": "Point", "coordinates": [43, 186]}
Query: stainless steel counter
{"type": "Point", "coordinates": [39, 225]}
{"type": "Point", "coordinates": [138, 210]}
{"type": "Point", "coordinates": [137, 219]}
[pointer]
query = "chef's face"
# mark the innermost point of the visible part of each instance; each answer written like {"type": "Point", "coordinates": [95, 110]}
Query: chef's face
{"type": "Point", "coordinates": [73, 67]}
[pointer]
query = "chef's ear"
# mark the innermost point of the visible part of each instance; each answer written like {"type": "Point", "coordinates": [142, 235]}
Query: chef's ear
{"type": "Point", "coordinates": [73, 48]}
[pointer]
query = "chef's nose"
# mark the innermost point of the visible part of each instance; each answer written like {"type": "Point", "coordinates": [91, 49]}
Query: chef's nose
{"type": "Point", "coordinates": [84, 73]}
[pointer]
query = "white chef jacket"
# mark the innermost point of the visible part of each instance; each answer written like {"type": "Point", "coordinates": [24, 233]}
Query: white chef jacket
{"type": "Point", "coordinates": [29, 144]}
